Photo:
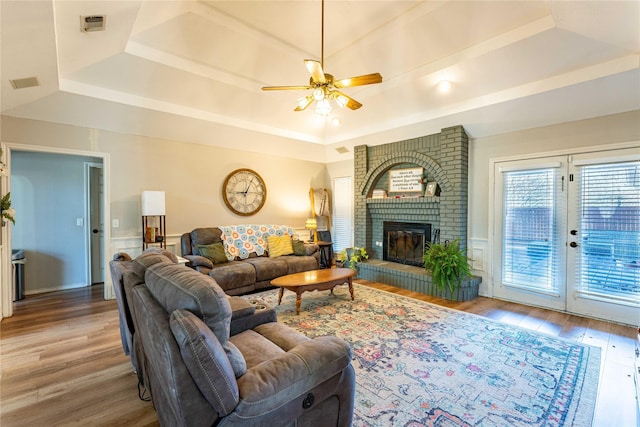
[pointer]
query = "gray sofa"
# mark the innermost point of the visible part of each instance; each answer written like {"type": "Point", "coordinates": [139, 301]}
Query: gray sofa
{"type": "Point", "coordinates": [208, 358]}
{"type": "Point", "coordinates": [242, 276]}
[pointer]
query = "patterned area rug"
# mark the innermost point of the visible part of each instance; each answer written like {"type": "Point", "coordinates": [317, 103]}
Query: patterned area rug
{"type": "Point", "coordinates": [419, 364]}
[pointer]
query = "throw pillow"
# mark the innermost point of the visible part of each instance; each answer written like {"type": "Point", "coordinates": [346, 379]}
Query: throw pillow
{"type": "Point", "coordinates": [298, 247]}
{"type": "Point", "coordinates": [215, 252]}
{"type": "Point", "coordinates": [279, 245]}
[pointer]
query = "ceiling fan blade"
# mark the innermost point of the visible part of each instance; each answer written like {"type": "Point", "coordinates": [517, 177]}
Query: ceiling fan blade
{"type": "Point", "coordinates": [345, 100]}
{"type": "Point", "coordinates": [286, 87]}
{"type": "Point", "coordinates": [315, 69]}
{"type": "Point", "coordinates": [366, 79]}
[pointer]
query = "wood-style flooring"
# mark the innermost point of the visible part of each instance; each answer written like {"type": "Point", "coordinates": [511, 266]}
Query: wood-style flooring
{"type": "Point", "coordinates": [61, 360]}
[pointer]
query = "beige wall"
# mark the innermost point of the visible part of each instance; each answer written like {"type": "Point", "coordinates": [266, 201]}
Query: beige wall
{"type": "Point", "coordinates": [190, 174]}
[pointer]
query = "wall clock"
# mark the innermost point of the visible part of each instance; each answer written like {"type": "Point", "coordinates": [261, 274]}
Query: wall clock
{"type": "Point", "coordinates": [244, 192]}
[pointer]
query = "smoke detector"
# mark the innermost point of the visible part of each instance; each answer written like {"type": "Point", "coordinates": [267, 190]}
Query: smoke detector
{"type": "Point", "coordinates": [92, 23]}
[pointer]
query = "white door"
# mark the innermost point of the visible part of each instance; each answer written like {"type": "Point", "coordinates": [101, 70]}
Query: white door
{"type": "Point", "coordinates": [567, 233]}
{"type": "Point", "coordinates": [604, 238]}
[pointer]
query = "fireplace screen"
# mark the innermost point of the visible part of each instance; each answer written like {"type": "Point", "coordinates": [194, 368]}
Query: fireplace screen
{"type": "Point", "coordinates": [404, 242]}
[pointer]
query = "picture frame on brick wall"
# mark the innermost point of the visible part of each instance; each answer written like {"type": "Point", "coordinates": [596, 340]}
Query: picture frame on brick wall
{"type": "Point", "coordinates": [430, 189]}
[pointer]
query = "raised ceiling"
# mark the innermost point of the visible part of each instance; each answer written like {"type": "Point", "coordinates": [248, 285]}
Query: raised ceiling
{"type": "Point", "coordinates": [183, 69]}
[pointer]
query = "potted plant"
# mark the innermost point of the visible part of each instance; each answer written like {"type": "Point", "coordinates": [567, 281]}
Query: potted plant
{"type": "Point", "coordinates": [449, 267]}
{"type": "Point", "coordinates": [350, 257]}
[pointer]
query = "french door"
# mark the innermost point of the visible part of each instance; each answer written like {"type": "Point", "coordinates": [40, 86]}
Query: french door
{"type": "Point", "coordinates": [567, 233]}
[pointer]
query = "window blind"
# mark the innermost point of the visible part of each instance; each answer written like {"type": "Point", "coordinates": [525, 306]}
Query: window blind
{"type": "Point", "coordinates": [530, 249]}
{"type": "Point", "coordinates": [609, 219]}
{"type": "Point", "coordinates": [342, 213]}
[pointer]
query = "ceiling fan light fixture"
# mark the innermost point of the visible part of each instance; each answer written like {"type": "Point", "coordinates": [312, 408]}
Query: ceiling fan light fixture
{"type": "Point", "coordinates": [318, 94]}
{"type": "Point", "coordinates": [323, 107]}
{"type": "Point", "coordinates": [342, 100]}
{"type": "Point", "coordinates": [304, 102]}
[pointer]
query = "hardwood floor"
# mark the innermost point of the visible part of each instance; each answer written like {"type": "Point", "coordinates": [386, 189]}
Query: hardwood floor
{"type": "Point", "coordinates": [61, 360]}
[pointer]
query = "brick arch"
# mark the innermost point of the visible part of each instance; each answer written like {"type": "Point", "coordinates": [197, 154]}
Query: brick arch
{"type": "Point", "coordinates": [419, 159]}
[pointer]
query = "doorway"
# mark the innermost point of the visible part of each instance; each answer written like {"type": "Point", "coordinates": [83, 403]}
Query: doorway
{"type": "Point", "coordinates": [66, 223]}
{"type": "Point", "coordinates": [567, 233]}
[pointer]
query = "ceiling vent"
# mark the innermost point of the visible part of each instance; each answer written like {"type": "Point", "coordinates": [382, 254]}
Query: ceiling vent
{"type": "Point", "coordinates": [24, 83]}
{"type": "Point", "coordinates": [342, 150]}
{"type": "Point", "coordinates": [92, 23]}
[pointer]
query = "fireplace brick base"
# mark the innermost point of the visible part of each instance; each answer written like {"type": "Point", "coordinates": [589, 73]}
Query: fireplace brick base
{"type": "Point", "coordinates": [415, 279]}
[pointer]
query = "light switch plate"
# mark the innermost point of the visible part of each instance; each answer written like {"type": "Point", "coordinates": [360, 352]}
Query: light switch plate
{"type": "Point", "coordinates": [79, 222]}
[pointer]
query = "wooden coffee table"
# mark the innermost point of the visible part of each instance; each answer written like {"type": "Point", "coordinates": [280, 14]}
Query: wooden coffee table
{"type": "Point", "coordinates": [314, 280]}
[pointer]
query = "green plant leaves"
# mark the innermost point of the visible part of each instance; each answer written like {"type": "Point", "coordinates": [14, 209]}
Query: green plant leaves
{"type": "Point", "coordinates": [448, 264]}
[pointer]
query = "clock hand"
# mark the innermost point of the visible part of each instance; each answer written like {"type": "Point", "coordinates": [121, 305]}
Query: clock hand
{"type": "Point", "coordinates": [248, 185]}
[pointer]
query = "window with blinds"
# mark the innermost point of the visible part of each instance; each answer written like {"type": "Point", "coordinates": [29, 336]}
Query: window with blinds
{"type": "Point", "coordinates": [342, 213]}
{"type": "Point", "coordinates": [609, 220]}
{"type": "Point", "coordinates": [530, 254]}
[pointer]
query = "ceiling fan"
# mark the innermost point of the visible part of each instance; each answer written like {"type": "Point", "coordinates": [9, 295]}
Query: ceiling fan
{"type": "Point", "coordinates": [324, 87]}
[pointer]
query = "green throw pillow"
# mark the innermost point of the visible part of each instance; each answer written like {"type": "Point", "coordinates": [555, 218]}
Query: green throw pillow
{"type": "Point", "coordinates": [298, 247]}
{"type": "Point", "coordinates": [215, 252]}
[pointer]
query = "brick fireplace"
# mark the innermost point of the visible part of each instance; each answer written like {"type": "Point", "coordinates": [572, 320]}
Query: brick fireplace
{"type": "Point", "coordinates": [444, 159]}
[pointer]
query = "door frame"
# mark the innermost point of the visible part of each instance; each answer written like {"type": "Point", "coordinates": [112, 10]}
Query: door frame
{"type": "Point", "coordinates": [492, 242]}
{"type": "Point", "coordinates": [6, 290]}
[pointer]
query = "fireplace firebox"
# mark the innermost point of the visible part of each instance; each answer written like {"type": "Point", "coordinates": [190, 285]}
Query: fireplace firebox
{"type": "Point", "coordinates": [405, 242]}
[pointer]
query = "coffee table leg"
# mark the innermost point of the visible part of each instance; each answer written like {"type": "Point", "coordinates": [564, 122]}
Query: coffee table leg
{"type": "Point", "coordinates": [280, 295]}
{"type": "Point", "coordinates": [351, 289]}
{"type": "Point", "coordinates": [298, 301]}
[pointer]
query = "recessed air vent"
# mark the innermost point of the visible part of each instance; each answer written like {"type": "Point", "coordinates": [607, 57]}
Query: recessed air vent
{"type": "Point", "coordinates": [92, 23]}
{"type": "Point", "coordinates": [24, 83]}
{"type": "Point", "coordinates": [342, 150]}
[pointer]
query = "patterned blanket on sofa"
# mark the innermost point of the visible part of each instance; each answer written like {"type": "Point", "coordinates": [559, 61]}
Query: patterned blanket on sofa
{"type": "Point", "coordinates": [241, 240]}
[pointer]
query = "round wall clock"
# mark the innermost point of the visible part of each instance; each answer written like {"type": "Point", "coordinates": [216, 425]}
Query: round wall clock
{"type": "Point", "coordinates": [244, 192]}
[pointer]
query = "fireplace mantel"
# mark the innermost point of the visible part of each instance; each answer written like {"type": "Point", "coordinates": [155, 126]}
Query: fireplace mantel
{"type": "Point", "coordinates": [413, 201]}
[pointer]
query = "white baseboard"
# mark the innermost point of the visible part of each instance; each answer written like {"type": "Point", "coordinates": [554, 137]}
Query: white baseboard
{"type": "Point", "coordinates": [55, 288]}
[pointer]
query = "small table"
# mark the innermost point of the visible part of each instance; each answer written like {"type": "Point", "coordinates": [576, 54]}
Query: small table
{"type": "Point", "coordinates": [326, 253]}
{"type": "Point", "coordinates": [314, 280]}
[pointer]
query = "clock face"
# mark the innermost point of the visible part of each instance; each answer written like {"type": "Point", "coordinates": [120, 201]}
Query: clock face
{"type": "Point", "coordinates": [244, 192]}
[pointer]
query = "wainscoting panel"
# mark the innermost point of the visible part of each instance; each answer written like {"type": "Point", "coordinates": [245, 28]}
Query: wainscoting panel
{"type": "Point", "coordinates": [478, 251]}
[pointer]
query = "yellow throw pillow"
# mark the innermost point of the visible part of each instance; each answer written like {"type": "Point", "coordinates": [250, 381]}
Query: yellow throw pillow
{"type": "Point", "coordinates": [279, 245]}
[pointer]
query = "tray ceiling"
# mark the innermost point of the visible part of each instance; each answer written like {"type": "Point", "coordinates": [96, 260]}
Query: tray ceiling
{"type": "Point", "coordinates": [177, 69]}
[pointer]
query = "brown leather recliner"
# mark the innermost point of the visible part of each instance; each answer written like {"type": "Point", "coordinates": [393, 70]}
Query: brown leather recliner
{"type": "Point", "coordinates": [204, 368]}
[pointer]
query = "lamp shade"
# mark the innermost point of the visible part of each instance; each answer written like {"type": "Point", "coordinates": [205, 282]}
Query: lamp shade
{"type": "Point", "coordinates": [153, 203]}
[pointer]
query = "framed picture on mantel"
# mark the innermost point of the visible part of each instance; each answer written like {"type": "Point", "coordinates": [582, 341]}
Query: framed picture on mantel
{"type": "Point", "coordinates": [430, 191]}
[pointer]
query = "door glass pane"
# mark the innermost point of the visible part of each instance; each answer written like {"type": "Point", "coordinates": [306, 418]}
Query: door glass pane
{"type": "Point", "coordinates": [609, 202]}
{"type": "Point", "coordinates": [529, 254]}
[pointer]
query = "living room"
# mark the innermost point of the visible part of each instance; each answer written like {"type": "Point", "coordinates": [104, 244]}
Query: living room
{"type": "Point", "coordinates": [189, 156]}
